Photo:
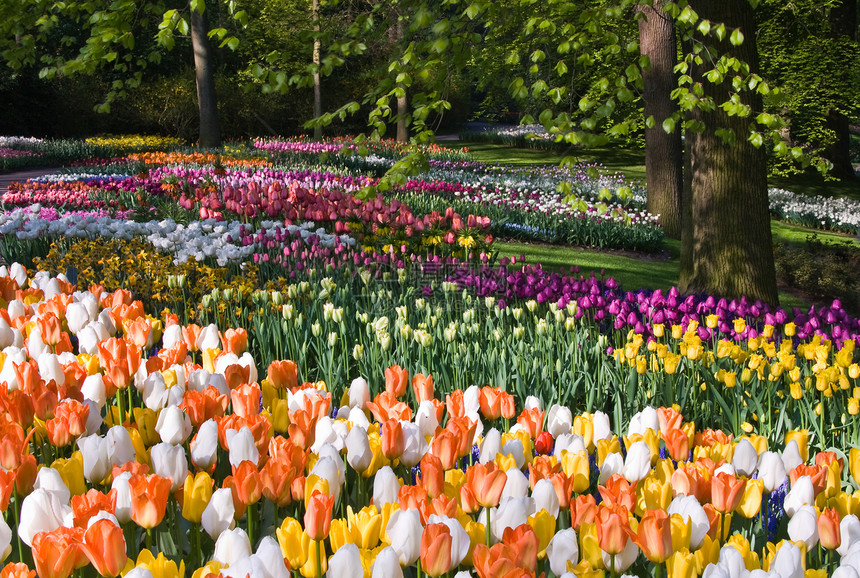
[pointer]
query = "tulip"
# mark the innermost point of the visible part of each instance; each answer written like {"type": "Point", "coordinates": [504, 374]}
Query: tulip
{"type": "Point", "coordinates": [511, 513]}
{"type": "Point", "coordinates": [242, 446]}
{"type": "Point", "coordinates": [654, 536]}
{"type": "Point", "coordinates": [290, 537]}
{"type": "Point", "coordinates": [396, 380]}
{"type": "Point", "coordinates": [460, 541]}
{"type": "Point", "coordinates": [345, 562]}
{"type": "Point", "coordinates": [849, 529]}
{"type": "Point", "coordinates": [149, 499]}
{"type": "Point", "coordinates": [745, 458]}
{"type": "Point", "coordinates": [490, 446]}
{"type": "Point", "coordinates": [726, 492]}
{"type": "Point", "coordinates": [829, 533]}
{"type": "Point", "coordinates": [359, 393]}
{"type": "Point", "coordinates": [563, 548]}
{"type": "Point", "coordinates": [387, 564]}
{"type": "Point", "coordinates": [803, 526]}
{"type": "Point", "coordinates": [41, 511]}
{"type": "Point", "coordinates": [559, 420]}
{"type": "Point", "coordinates": [219, 512]}
{"type": "Point", "coordinates": [318, 515]}
{"type": "Point", "coordinates": [771, 471]}
{"type": "Point", "coordinates": [436, 549]}
{"type": "Point", "coordinates": [613, 528]}
{"type": "Point", "coordinates": [169, 461]}
{"type": "Point", "coordinates": [95, 455]}
{"type": "Point", "coordinates": [272, 560]}
{"type": "Point", "coordinates": [385, 487]}
{"type": "Point", "coordinates": [232, 546]}
{"type": "Point", "coordinates": [854, 464]}
{"type": "Point", "coordinates": [404, 532]}
{"type": "Point", "coordinates": [204, 446]}
{"type": "Point", "coordinates": [105, 547]}
{"type": "Point", "coordinates": [638, 462]}
{"type": "Point", "coordinates": [788, 561]}
{"type": "Point", "coordinates": [197, 492]}
{"type": "Point", "coordinates": [58, 553]}
{"type": "Point", "coordinates": [801, 494]}
{"type": "Point", "coordinates": [392, 439]}
{"type": "Point", "coordinates": [750, 503]}
{"type": "Point", "coordinates": [487, 483]}
{"type": "Point", "coordinates": [173, 425]}
{"type": "Point", "coordinates": [545, 497]}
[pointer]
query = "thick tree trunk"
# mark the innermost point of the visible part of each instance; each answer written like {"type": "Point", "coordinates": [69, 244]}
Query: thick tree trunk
{"type": "Point", "coordinates": [663, 152]}
{"type": "Point", "coordinates": [730, 252]}
{"type": "Point", "coordinates": [315, 8]}
{"type": "Point", "coordinates": [204, 69]}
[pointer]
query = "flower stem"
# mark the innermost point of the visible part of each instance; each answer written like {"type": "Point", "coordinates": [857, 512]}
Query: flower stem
{"type": "Point", "coordinates": [487, 529]}
{"type": "Point", "coordinates": [319, 558]}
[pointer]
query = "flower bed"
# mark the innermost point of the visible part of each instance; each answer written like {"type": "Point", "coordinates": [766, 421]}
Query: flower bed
{"type": "Point", "coordinates": [166, 450]}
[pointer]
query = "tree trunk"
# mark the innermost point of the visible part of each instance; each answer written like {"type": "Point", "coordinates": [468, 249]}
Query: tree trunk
{"type": "Point", "coordinates": [204, 69]}
{"type": "Point", "coordinates": [843, 22]}
{"type": "Point", "coordinates": [730, 251]}
{"type": "Point", "coordinates": [315, 9]}
{"type": "Point", "coordinates": [402, 103]}
{"type": "Point", "coordinates": [663, 152]}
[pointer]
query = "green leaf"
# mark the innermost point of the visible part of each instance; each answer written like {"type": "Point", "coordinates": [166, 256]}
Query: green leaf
{"type": "Point", "coordinates": [669, 125]}
{"type": "Point", "coordinates": [737, 37]}
{"type": "Point", "coordinates": [756, 139]}
{"type": "Point", "coordinates": [650, 122]}
{"type": "Point", "coordinates": [704, 27]}
{"type": "Point", "coordinates": [720, 31]}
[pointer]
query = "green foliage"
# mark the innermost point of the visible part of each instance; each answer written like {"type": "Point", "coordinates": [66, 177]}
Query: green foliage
{"type": "Point", "coordinates": [825, 270]}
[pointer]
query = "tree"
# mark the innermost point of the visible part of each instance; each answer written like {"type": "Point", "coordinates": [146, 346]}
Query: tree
{"type": "Point", "coordinates": [663, 150]}
{"type": "Point", "coordinates": [114, 38]}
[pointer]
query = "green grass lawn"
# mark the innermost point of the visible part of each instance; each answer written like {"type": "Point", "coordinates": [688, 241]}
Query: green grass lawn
{"type": "Point", "coordinates": [637, 271]}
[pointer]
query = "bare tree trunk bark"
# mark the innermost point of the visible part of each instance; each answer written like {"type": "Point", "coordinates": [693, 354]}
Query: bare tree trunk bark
{"type": "Point", "coordinates": [315, 9]}
{"type": "Point", "coordinates": [663, 152]}
{"type": "Point", "coordinates": [730, 251]}
{"type": "Point", "coordinates": [204, 69]}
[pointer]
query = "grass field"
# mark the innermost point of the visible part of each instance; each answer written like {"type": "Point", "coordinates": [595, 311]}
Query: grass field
{"type": "Point", "coordinates": [637, 271]}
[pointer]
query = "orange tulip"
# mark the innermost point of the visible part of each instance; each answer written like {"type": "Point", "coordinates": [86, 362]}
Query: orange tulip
{"type": "Point", "coordinates": [385, 406]}
{"type": "Point", "coordinates": [677, 443]}
{"type": "Point", "coordinates": [507, 405]}
{"type": "Point", "coordinates": [246, 399]}
{"type": "Point", "coordinates": [817, 473]}
{"type": "Point", "coordinates": [491, 402]}
{"type": "Point", "coordinates": [432, 475]}
{"type": "Point", "coordinates": [69, 422]}
{"type": "Point", "coordinates": [495, 561]}
{"type": "Point", "coordinates": [17, 570]}
{"type": "Point", "coordinates": [17, 405]}
{"type": "Point", "coordinates": [525, 544]}
{"type": "Point", "coordinates": [542, 467]}
{"type": "Point", "coordinates": [59, 553]}
{"type": "Point", "coordinates": [668, 418]}
{"type": "Point", "coordinates": [236, 374]}
{"type": "Point", "coordinates": [532, 421]}
{"type": "Point", "coordinates": [302, 428]}
{"type": "Point", "coordinates": [190, 333]}
{"type": "Point", "coordinates": [7, 484]}
{"type": "Point", "coordinates": [446, 447]}
{"type": "Point", "coordinates": [137, 331]}
{"type": "Point", "coordinates": [396, 380]}
{"type": "Point", "coordinates": [149, 499]}
{"type": "Point", "coordinates": [422, 387]}
{"type": "Point", "coordinates": [455, 404]}
{"type": "Point", "coordinates": [204, 405]}
{"type": "Point", "coordinates": [618, 491]}
{"type": "Point", "coordinates": [235, 341]}
{"type": "Point", "coordinates": [654, 536]}
{"type": "Point", "coordinates": [463, 429]}
{"type": "Point", "coordinates": [726, 492]}
{"type": "Point", "coordinates": [276, 477]}
{"type": "Point", "coordinates": [393, 441]}
{"type": "Point", "coordinates": [829, 531]}
{"type": "Point", "coordinates": [249, 486]}
{"type": "Point", "coordinates": [283, 374]}
{"type": "Point", "coordinates": [412, 497]}
{"type": "Point", "coordinates": [487, 482]}
{"type": "Point", "coordinates": [105, 547]}
{"type": "Point", "coordinates": [563, 486]}
{"type": "Point", "coordinates": [441, 505]}
{"type": "Point", "coordinates": [88, 505]}
{"type": "Point", "coordinates": [318, 515]}
{"type": "Point", "coordinates": [49, 327]}
{"type": "Point", "coordinates": [583, 510]}
{"type": "Point", "coordinates": [613, 528]}
{"type": "Point", "coordinates": [436, 549]}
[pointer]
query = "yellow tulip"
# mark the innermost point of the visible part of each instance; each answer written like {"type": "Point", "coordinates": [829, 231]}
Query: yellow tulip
{"type": "Point", "coordinates": [309, 569]}
{"type": "Point", "coordinates": [280, 412]}
{"type": "Point", "coordinates": [854, 464]}
{"type": "Point", "coordinates": [750, 556]}
{"type": "Point", "coordinates": [338, 534]}
{"type": "Point", "coordinates": [585, 570]}
{"type": "Point", "coordinates": [801, 437]}
{"type": "Point", "coordinates": [211, 568]}
{"type": "Point", "coordinates": [506, 462]}
{"type": "Point", "coordinates": [606, 447]}
{"type": "Point", "coordinates": [90, 363]}
{"type": "Point", "coordinates": [209, 359]}
{"type": "Point", "coordinates": [364, 526]}
{"type": "Point", "coordinates": [583, 425]}
{"type": "Point", "coordinates": [652, 494]}
{"type": "Point", "coordinates": [160, 567]}
{"type": "Point", "coordinates": [379, 461]}
{"type": "Point", "coordinates": [589, 549]}
{"type": "Point", "coordinates": [387, 510]}
{"type": "Point", "coordinates": [140, 450]}
{"type": "Point", "coordinates": [315, 482]}
{"type": "Point", "coordinates": [681, 532]}
{"type": "Point", "coordinates": [543, 523]}
{"type": "Point", "coordinates": [72, 472]}
{"type": "Point", "coordinates": [477, 534]}
{"type": "Point", "coordinates": [758, 442]}
{"type": "Point", "coordinates": [681, 564]}
{"type": "Point", "coordinates": [575, 465]}
{"type": "Point", "coordinates": [145, 419]}
{"type": "Point", "coordinates": [290, 540]}
{"type": "Point", "coordinates": [708, 553]}
{"type": "Point", "coordinates": [651, 439]}
{"type": "Point", "coordinates": [751, 500]}
{"type": "Point", "coordinates": [813, 573]}
{"type": "Point", "coordinates": [196, 495]}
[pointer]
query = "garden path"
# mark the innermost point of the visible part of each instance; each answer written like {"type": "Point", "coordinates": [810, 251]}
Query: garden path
{"type": "Point", "coordinates": [7, 179]}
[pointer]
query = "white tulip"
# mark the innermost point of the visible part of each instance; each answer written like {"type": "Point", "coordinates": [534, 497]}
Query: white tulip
{"type": "Point", "coordinates": [562, 548]}
{"type": "Point", "coordinates": [801, 494]}
{"type": "Point", "coordinates": [559, 420]}
{"type": "Point", "coordinates": [204, 446]}
{"type": "Point", "coordinates": [404, 531]}
{"type": "Point", "coordinates": [173, 425]}
{"type": "Point", "coordinates": [41, 511]}
{"type": "Point", "coordinates": [218, 514]}
{"type": "Point", "coordinates": [168, 461]}
{"type": "Point", "coordinates": [232, 546]}
{"type": "Point", "coordinates": [385, 487]}
{"type": "Point", "coordinates": [386, 564]}
{"type": "Point", "coordinates": [803, 526]}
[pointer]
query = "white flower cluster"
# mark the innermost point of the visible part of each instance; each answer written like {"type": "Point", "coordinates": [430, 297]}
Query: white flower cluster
{"type": "Point", "coordinates": [199, 240]}
{"type": "Point", "coordinates": [536, 131]}
{"type": "Point", "coordinates": [17, 141]}
{"type": "Point", "coordinates": [76, 177]}
{"type": "Point", "coordinates": [816, 211]}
